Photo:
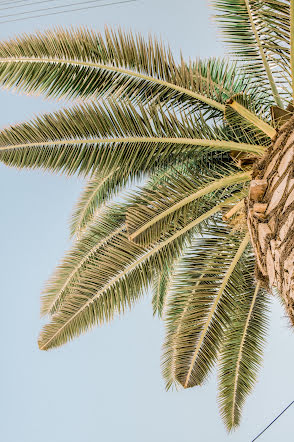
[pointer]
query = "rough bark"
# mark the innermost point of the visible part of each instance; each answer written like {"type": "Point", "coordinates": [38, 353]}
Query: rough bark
{"type": "Point", "coordinates": [270, 215]}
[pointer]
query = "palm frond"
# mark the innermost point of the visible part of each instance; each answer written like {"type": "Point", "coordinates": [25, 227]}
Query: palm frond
{"type": "Point", "coordinates": [175, 201]}
{"type": "Point", "coordinates": [160, 287]}
{"type": "Point", "coordinates": [241, 352]}
{"type": "Point", "coordinates": [249, 117]}
{"type": "Point", "coordinates": [109, 135]}
{"type": "Point", "coordinates": [258, 32]}
{"type": "Point", "coordinates": [108, 224]}
{"type": "Point", "coordinates": [200, 304]}
{"type": "Point", "coordinates": [100, 188]}
{"type": "Point", "coordinates": [113, 279]}
{"type": "Point", "coordinates": [220, 80]}
{"type": "Point", "coordinates": [82, 63]}
{"type": "Point", "coordinates": [103, 186]}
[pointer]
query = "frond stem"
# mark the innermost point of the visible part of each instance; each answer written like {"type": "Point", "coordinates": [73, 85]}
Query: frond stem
{"type": "Point", "coordinates": [263, 57]}
{"type": "Point", "coordinates": [234, 210]}
{"type": "Point", "coordinates": [52, 307]}
{"type": "Point", "coordinates": [211, 187]}
{"type": "Point", "coordinates": [124, 71]}
{"type": "Point", "coordinates": [217, 144]}
{"type": "Point", "coordinates": [250, 116]}
{"type": "Point", "coordinates": [242, 345]}
{"type": "Point", "coordinates": [146, 255]}
{"type": "Point", "coordinates": [238, 255]}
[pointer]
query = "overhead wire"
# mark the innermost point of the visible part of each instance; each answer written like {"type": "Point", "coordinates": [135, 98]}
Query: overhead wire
{"type": "Point", "coordinates": [12, 2]}
{"type": "Point", "coordinates": [62, 12]}
{"type": "Point", "coordinates": [288, 406]}
{"type": "Point", "coordinates": [26, 4]}
{"type": "Point", "coordinates": [68, 5]}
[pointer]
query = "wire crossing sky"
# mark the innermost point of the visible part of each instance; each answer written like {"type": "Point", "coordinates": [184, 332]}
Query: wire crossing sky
{"type": "Point", "coordinates": [71, 8]}
{"type": "Point", "coordinates": [273, 421]}
{"type": "Point", "coordinates": [17, 5]}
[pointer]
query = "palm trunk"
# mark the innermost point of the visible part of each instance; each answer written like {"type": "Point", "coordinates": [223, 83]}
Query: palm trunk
{"type": "Point", "coordinates": [271, 216]}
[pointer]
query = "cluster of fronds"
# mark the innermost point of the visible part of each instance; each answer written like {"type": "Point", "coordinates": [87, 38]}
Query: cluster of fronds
{"type": "Point", "coordinates": [178, 127]}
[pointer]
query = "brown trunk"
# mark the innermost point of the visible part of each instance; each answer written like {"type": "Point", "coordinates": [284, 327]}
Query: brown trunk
{"type": "Point", "coordinates": [271, 215]}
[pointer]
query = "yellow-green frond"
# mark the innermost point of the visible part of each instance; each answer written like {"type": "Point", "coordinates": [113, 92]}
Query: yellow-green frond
{"type": "Point", "coordinates": [100, 188]}
{"type": "Point", "coordinates": [160, 286]}
{"type": "Point", "coordinates": [86, 64]}
{"type": "Point", "coordinates": [242, 348]}
{"type": "Point", "coordinates": [112, 280]}
{"type": "Point", "coordinates": [258, 33]}
{"type": "Point", "coordinates": [105, 136]}
{"type": "Point", "coordinates": [107, 225]}
{"type": "Point", "coordinates": [160, 210]}
{"type": "Point", "coordinates": [200, 304]}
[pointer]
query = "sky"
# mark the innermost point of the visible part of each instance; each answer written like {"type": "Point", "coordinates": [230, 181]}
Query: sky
{"type": "Point", "coordinates": [106, 385]}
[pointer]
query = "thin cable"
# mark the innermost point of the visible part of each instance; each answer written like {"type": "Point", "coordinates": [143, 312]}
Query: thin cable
{"type": "Point", "coordinates": [27, 4]}
{"type": "Point", "coordinates": [70, 10]}
{"type": "Point", "coordinates": [273, 421]}
{"type": "Point", "coordinates": [68, 5]}
{"type": "Point", "coordinates": [17, 1]}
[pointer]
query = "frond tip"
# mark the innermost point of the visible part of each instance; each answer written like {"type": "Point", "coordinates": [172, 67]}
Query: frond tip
{"type": "Point", "coordinates": [108, 136]}
{"type": "Point", "coordinates": [241, 353]}
{"type": "Point", "coordinates": [160, 285]}
{"type": "Point", "coordinates": [100, 291]}
{"type": "Point", "coordinates": [98, 190]}
{"type": "Point", "coordinates": [159, 210]}
{"type": "Point", "coordinates": [258, 33]}
{"type": "Point", "coordinates": [199, 307]}
{"type": "Point", "coordinates": [85, 64]}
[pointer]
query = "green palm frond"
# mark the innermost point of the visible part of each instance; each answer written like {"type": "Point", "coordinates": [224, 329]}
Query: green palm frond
{"type": "Point", "coordinates": [175, 201]}
{"type": "Point", "coordinates": [112, 279]}
{"type": "Point", "coordinates": [249, 117]}
{"type": "Point", "coordinates": [200, 304]}
{"type": "Point", "coordinates": [241, 352]}
{"type": "Point", "coordinates": [91, 137]}
{"type": "Point", "coordinates": [103, 186]}
{"type": "Point", "coordinates": [106, 136]}
{"type": "Point", "coordinates": [82, 63]}
{"type": "Point", "coordinates": [85, 64]}
{"type": "Point", "coordinates": [108, 224]}
{"type": "Point", "coordinates": [259, 34]}
{"type": "Point", "coordinates": [220, 80]}
{"type": "Point", "coordinates": [100, 188]}
{"type": "Point", "coordinates": [160, 287]}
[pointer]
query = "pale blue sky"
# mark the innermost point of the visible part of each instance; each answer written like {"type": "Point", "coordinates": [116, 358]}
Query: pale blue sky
{"type": "Point", "coordinates": [106, 386]}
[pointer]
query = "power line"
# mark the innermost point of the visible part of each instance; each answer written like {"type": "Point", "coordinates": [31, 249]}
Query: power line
{"type": "Point", "coordinates": [9, 3]}
{"type": "Point", "coordinates": [273, 421]}
{"type": "Point", "coordinates": [27, 4]}
{"type": "Point", "coordinates": [68, 5]}
{"type": "Point", "coordinates": [70, 10]}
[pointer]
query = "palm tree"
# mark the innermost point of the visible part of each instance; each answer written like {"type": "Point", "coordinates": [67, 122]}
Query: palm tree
{"type": "Point", "coordinates": [210, 145]}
